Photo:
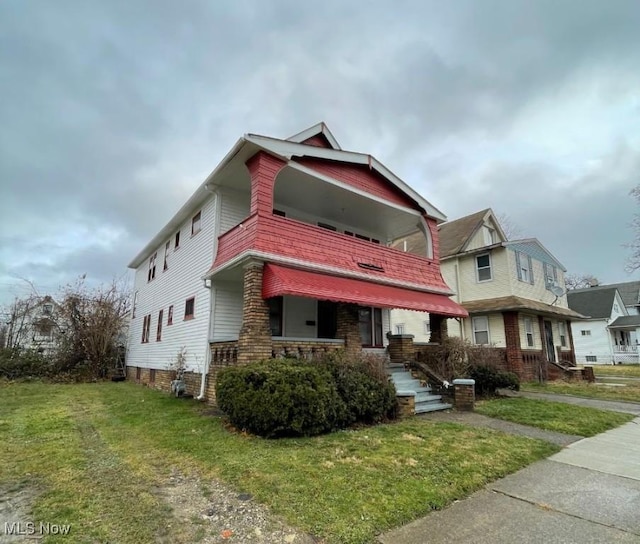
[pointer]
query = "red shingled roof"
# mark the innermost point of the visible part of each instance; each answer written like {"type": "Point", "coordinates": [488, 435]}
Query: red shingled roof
{"type": "Point", "coordinates": [280, 280]}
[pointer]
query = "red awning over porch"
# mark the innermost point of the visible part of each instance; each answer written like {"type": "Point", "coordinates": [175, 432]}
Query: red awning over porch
{"type": "Point", "coordinates": [280, 280]}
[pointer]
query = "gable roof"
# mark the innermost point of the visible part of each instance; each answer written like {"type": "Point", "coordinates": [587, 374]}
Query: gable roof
{"type": "Point", "coordinates": [595, 303]}
{"type": "Point", "coordinates": [534, 248]}
{"type": "Point", "coordinates": [629, 291]}
{"type": "Point", "coordinates": [316, 130]}
{"type": "Point", "coordinates": [626, 321]}
{"type": "Point", "coordinates": [287, 149]}
{"type": "Point", "coordinates": [455, 235]}
{"type": "Point", "coordinates": [250, 144]}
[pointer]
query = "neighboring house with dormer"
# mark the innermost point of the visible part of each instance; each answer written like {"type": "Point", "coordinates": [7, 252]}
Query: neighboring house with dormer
{"type": "Point", "coordinates": [609, 335]}
{"type": "Point", "coordinates": [283, 249]}
{"type": "Point", "coordinates": [514, 292]}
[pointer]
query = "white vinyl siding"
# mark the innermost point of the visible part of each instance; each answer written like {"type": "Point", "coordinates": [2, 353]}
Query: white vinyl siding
{"type": "Point", "coordinates": [595, 341]}
{"type": "Point", "coordinates": [235, 208]}
{"type": "Point", "coordinates": [227, 313]}
{"type": "Point", "coordinates": [181, 281]}
{"type": "Point", "coordinates": [413, 322]}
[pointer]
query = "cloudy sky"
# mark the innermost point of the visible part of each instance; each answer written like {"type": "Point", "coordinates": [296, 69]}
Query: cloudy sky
{"type": "Point", "coordinates": [113, 112]}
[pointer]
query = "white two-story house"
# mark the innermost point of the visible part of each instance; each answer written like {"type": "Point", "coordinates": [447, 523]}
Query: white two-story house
{"type": "Point", "coordinates": [284, 249]}
{"type": "Point", "coordinates": [514, 292]}
{"type": "Point", "coordinates": [609, 335]}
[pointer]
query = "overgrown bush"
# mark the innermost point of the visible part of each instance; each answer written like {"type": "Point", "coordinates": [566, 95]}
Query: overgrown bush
{"type": "Point", "coordinates": [280, 398]}
{"type": "Point", "coordinates": [289, 397]}
{"type": "Point", "coordinates": [488, 379]}
{"type": "Point", "coordinates": [23, 364]}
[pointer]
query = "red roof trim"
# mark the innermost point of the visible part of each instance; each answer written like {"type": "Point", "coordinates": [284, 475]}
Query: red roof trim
{"type": "Point", "coordinates": [281, 280]}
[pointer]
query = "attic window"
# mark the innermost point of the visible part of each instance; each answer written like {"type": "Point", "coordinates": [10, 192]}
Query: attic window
{"type": "Point", "coordinates": [47, 309]}
{"type": "Point", "coordinates": [489, 235]}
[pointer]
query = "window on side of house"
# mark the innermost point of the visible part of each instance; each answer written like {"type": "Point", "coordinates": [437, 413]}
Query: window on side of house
{"type": "Point", "coordinates": [483, 267]}
{"type": "Point", "coordinates": [275, 315]}
{"type": "Point", "coordinates": [400, 328]}
{"type": "Point", "coordinates": [592, 359]}
{"type": "Point", "coordinates": [47, 309]}
{"type": "Point", "coordinates": [427, 327]}
{"type": "Point", "coordinates": [370, 327]}
{"type": "Point", "coordinates": [562, 328]}
{"type": "Point", "coordinates": [146, 327]}
{"type": "Point", "coordinates": [176, 241]}
{"type": "Point", "coordinates": [528, 330]}
{"type": "Point", "coordinates": [170, 315]}
{"type": "Point", "coordinates": [585, 332]}
{"type": "Point", "coordinates": [134, 305]}
{"type": "Point", "coordinates": [152, 267]}
{"type": "Point", "coordinates": [550, 275]}
{"type": "Point", "coordinates": [167, 248]}
{"type": "Point", "coordinates": [480, 330]}
{"type": "Point", "coordinates": [190, 308]}
{"type": "Point", "coordinates": [196, 223]}
{"type": "Point", "coordinates": [524, 267]}
{"type": "Point", "coordinates": [159, 330]}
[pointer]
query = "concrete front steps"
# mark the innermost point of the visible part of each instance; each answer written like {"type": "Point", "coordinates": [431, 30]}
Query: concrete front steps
{"type": "Point", "coordinates": [406, 385]}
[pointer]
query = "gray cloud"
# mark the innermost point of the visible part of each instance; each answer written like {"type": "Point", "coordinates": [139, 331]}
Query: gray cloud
{"type": "Point", "coordinates": [113, 112]}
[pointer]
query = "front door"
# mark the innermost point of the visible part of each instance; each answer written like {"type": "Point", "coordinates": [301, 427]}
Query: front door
{"type": "Point", "coordinates": [548, 335]}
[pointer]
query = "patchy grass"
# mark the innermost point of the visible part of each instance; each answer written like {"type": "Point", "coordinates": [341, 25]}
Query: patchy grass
{"type": "Point", "coordinates": [630, 392]}
{"type": "Point", "coordinates": [98, 451]}
{"type": "Point", "coordinates": [626, 371]}
{"type": "Point", "coordinates": [553, 416]}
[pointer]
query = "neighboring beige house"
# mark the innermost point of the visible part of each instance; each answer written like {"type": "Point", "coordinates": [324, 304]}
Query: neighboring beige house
{"type": "Point", "coordinates": [514, 292]}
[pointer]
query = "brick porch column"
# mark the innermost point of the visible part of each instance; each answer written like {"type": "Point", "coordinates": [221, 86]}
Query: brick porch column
{"type": "Point", "coordinates": [439, 329]}
{"type": "Point", "coordinates": [254, 342]}
{"type": "Point", "coordinates": [512, 340]}
{"type": "Point", "coordinates": [348, 327]}
{"type": "Point", "coordinates": [401, 348]}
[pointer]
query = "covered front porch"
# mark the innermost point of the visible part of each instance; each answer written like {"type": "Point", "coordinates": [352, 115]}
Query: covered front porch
{"type": "Point", "coordinates": [625, 332]}
{"type": "Point", "coordinates": [262, 310]}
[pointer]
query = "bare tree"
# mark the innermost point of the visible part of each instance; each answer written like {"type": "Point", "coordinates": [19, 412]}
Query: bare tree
{"type": "Point", "coordinates": [580, 281]}
{"type": "Point", "coordinates": [510, 228]}
{"type": "Point", "coordinates": [95, 320]}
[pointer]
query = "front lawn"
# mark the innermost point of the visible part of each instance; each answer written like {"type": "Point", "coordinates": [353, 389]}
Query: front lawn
{"type": "Point", "coordinates": [553, 416]}
{"type": "Point", "coordinates": [627, 371]}
{"type": "Point", "coordinates": [629, 391]}
{"type": "Point", "coordinates": [98, 453]}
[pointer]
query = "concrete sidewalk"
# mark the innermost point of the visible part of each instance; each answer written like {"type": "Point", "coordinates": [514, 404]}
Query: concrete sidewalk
{"type": "Point", "coordinates": [587, 493]}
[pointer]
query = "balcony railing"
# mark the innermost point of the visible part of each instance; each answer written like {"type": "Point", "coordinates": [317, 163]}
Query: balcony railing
{"type": "Point", "coordinates": [297, 241]}
{"type": "Point", "coordinates": [625, 349]}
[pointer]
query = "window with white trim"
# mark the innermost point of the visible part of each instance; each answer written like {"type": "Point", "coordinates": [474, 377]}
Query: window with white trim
{"type": "Point", "coordinates": [190, 308]}
{"type": "Point", "coordinates": [528, 330]}
{"type": "Point", "coordinates": [427, 327]}
{"type": "Point", "coordinates": [134, 305]}
{"type": "Point", "coordinates": [370, 321]}
{"type": "Point", "coordinates": [562, 328]}
{"type": "Point", "coordinates": [592, 359]}
{"type": "Point", "coordinates": [167, 247]}
{"type": "Point", "coordinates": [489, 235]}
{"type": "Point", "coordinates": [480, 329]}
{"type": "Point", "coordinates": [550, 275]}
{"type": "Point", "coordinates": [483, 267]}
{"type": "Point", "coordinates": [152, 267]}
{"type": "Point", "coordinates": [585, 332]}
{"type": "Point", "coordinates": [196, 223]}
{"type": "Point", "coordinates": [524, 267]}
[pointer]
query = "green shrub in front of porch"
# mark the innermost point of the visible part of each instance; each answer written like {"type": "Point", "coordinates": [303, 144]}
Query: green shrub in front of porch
{"type": "Point", "coordinates": [288, 397]}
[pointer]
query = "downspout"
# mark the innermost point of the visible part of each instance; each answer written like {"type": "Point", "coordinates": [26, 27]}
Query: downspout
{"type": "Point", "coordinates": [216, 233]}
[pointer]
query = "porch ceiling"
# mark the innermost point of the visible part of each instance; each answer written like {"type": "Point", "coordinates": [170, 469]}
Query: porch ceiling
{"type": "Point", "coordinates": [320, 198]}
{"type": "Point", "coordinates": [514, 303]}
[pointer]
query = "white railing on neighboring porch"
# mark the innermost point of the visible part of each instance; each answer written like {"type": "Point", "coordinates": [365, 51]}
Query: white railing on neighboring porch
{"type": "Point", "coordinates": [625, 349]}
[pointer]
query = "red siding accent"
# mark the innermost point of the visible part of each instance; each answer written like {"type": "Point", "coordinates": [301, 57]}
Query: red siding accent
{"type": "Point", "coordinates": [360, 177]}
{"type": "Point", "coordinates": [435, 237]}
{"type": "Point", "coordinates": [297, 240]}
{"type": "Point", "coordinates": [263, 169]}
{"type": "Point", "coordinates": [280, 280]}
{"type": "Point", "coordinates": [319, 140]}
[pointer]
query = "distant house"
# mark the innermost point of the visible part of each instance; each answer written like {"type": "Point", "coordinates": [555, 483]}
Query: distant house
{"type": "Point", "coordinates": [610, 335]}
{"type": "Point", "coordinates": [283, 250]}
{"type": "Point", "coordinates": [514, 292]}
{"type": "Point", "coordinates": [34, 323]}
